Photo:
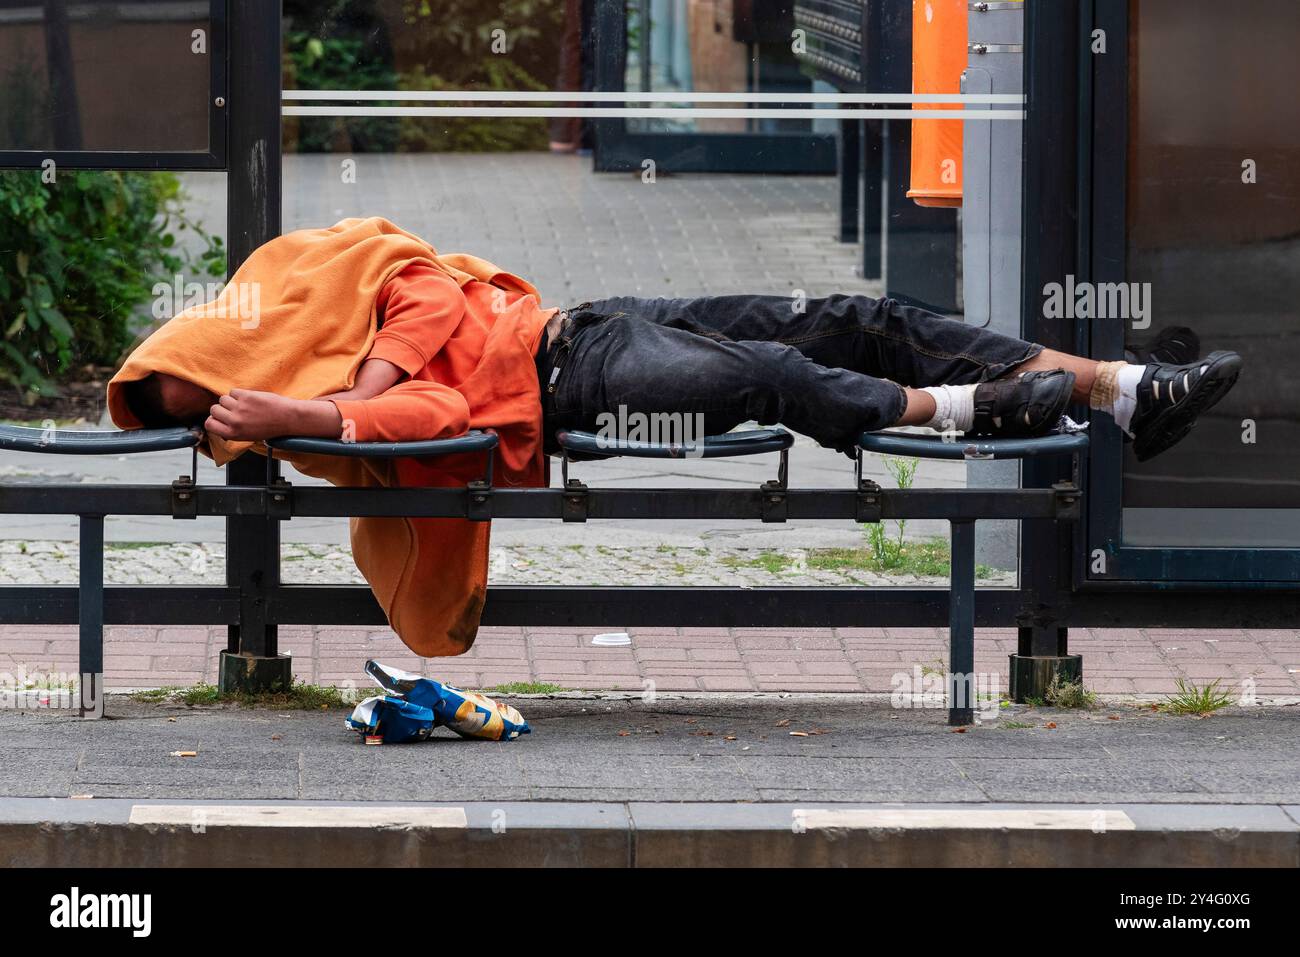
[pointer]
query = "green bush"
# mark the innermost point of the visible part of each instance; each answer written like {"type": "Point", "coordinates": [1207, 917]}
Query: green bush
{"type": "Point", "coordinates": [418, 45]}
{"type": "Point", "coordinates": [467, 134]}
{"type": "Point", "coordinates": [339, 63]}
{"type": "Point", "coordinates": [77, 257]}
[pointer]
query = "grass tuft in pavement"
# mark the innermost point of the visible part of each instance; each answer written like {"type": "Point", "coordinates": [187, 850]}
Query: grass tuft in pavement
{"type": "Point", "coordinates": [299, 697]}
{"type": "Point", "coordinates": [1191, 699]}
{"type": "Point", "coordinates": [774, 563]}
{"type": "Point", "coordinates": [525, 687]}
{"type": "Point", "coordinates": [926, 558]}
{"type": "Point", "coordinates": [151, 695]}
{"type": "Point", "coordinates": [305, 697]}
{"type": "Point", "coordinates": [1069, 694]}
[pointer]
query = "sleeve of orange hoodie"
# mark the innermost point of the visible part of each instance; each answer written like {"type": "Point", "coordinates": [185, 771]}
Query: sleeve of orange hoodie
{"type": "Point", "coordinates": [422, 307]}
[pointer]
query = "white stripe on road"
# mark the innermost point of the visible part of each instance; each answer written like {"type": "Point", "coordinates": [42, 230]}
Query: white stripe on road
{"type": "Point", "coordinates": [296, 815]}
{"type": "Point", "coordinates": [930, 819]}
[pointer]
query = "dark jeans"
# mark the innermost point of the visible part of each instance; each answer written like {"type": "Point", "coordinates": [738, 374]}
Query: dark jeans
{"type": "Point", "coordinates": [831, 371]}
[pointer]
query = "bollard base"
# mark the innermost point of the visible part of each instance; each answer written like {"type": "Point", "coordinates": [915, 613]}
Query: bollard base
{"type": "Point", "coordinates": [960, 717]}
{"type": "Point", "coordinates": [1031, 675]}
{"type": "Point", "coordinates": [253, 675]}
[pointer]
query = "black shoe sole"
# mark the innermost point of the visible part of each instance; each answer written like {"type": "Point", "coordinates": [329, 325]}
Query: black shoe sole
{"type": "Point", "coordinates": [1173, 424]}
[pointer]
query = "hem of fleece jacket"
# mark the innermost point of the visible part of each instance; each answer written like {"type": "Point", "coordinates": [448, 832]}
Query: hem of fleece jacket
{"type": "Point", "coordinates": [401, 354]}
{"type": "Point", "coordinates": [354, 413]}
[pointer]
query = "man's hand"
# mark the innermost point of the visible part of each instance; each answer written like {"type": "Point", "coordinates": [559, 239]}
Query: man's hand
{"type": "Point", "coordinates": [248, 416]}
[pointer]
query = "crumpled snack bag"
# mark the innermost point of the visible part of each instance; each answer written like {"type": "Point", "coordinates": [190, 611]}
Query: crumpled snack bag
{"type": "Point", "coordinates": [395, 720]}
{"type": "Point", "coordinates": [401, 715]}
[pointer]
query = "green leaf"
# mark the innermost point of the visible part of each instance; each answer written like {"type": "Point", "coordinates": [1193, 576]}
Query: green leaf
{"type": "Point", "coordinates": [57, 323]}
{"type": "Point", "coordinates": [22, 259]}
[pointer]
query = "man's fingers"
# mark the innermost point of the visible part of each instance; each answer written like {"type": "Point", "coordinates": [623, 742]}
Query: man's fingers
{"type": "Point", "coordinates": [231, 400]}
{"type": "Point", "coordinates": [222, 414]}
{"type": "Point", "coordinates": [218, 428]}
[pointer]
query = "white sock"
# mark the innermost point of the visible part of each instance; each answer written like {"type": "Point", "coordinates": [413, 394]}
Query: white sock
{"type": "Point", "coordinates": [1125, 404]}
{"type": "Point", "coordinates": [954, 408]}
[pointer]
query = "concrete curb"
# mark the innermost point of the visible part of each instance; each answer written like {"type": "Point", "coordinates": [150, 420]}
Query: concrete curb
{"type": "Point", "coordinates": [60, 832]}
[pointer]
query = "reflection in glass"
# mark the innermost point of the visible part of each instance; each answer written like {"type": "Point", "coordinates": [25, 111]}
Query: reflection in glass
{"type": "Point", "coordinates": [684, 46]}
{"type": "Point", "coordinates": [127, 75]}
{"type": "Point", "coordinates": [1214, 226]}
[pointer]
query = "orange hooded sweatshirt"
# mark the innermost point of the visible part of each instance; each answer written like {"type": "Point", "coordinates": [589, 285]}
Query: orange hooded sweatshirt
{"type": "Point", "coordinates": [300, 316]}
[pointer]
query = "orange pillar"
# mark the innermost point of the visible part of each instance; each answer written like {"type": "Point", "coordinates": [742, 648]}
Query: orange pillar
{"type": "Point", "coordinates": [938, 59]}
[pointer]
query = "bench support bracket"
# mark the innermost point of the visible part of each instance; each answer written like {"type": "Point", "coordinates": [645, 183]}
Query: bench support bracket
{"type": "Point", "coordinates": [479, 507]}
{"type": "Point", "coordinates": [574, 503]}
{"type": "Point", "coordinates": [184, 500]}
{"type": "Point", "coordinates": [776, 504]}
{"type": "Point", "coordinates": [279, 499]}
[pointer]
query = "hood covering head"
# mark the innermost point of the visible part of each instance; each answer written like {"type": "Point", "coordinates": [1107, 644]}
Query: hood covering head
{"type": "Point", "coordinates": [297, 318]}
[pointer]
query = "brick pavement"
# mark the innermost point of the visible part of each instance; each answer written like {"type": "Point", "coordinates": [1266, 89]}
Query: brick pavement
{"type": "Point", "coordinates": [1117, 661]}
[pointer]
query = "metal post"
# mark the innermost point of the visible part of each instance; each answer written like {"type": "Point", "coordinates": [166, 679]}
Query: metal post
{"type": "Point", "coordinates": [64, 109]}
{"type": "Point", "coordinates": [253, 195]}
{"type": "Point", "coordinates": [90, 616]}
{"type": "Point", "coordinates": [872, 146]}
{"type": "Point", "coordinates": [961, 624]}
{"type": "Point", "coordinates": [609, 31]}
{"type": "Point", "coordinates": [1050, 250]}
{"type": "Point", "coordinates": [872, 202]}
{"type": "Point", "coordinates": [645, 53]}
{"type": "Point", "coordinates": [850, 175]}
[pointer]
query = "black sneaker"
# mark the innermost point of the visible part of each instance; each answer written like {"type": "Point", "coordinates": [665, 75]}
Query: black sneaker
{"type": "Point", "coordinates": [1030, 404]}
{"type": "Point", "coordinates": [1170, 397]}
{"type": "Point", "coordinates": [1176, 345]}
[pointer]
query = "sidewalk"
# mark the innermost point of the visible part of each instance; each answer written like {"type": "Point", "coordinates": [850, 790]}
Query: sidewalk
{"type": "Point", "coordinates": [705, 779]}
{"type": "Point", "coordinates": [1123, 662]}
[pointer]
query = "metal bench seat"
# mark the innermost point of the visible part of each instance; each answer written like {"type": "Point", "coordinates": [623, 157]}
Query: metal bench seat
{"type": "Point", "coordinates": [16, 438]}
{"type": "Point", "coordinates": [589, 445]}
{"type": "Point", "coordinates": [749, 442]}
{"type": "Point", "coordinates": [941, 447]}
{"type": "Point", "coordinates": [484, 441]}
{"type": "Point", "coordinates": [473, 441]}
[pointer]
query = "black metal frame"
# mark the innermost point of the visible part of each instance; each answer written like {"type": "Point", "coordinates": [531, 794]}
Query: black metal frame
{"type": "Point", "coordinates": [1049, 246]}
{"type": "Point", "coordinates": [277, 500]}
{"type": "Point", "coordinates": [1103, 258]}
{"type": "Point", "coordinates": [214, 158]}
{"type": "Point", "coordinates": [254, 189]}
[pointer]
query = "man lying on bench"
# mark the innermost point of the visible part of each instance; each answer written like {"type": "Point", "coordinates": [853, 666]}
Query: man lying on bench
{"type": "Point", "coordinates": [364, 332]}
